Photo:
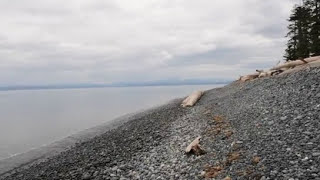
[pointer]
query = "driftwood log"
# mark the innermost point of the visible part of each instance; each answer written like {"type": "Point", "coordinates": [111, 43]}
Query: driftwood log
{"type": "Point", "coordinates": [295, 69]}
{"type": "Point", "coordinates": [292, 64]}
{"type": "Point", "coordinates": [192, 99]}
{"type": "Point", "coordinates": [267, 73]}
{"type": "Point", "coordinates": [285, 68]}
{"type": "Point", "coordinates": [314, 63]}
{"type": "Point", "coordinates": [249, 77]}
{"type": "Point", "coordinates": [195, 147]}
{"type": "Point", "coordinates": [301, 67]}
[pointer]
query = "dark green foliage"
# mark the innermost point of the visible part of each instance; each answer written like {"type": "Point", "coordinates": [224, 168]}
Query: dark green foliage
{"type": "Point", "coordinates": [299, 38]}
{"type": "Point", "coordinates": [304, 31]}
{"type": "Point", "coordinates": [315, 26]}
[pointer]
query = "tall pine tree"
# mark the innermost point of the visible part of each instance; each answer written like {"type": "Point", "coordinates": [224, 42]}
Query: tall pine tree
{"type": "Point", "coordinates": [314, 6]}
{"type": "Point", "coordinates": [299, 40]}
{"type": "Point", "coordinates": [304, 31]}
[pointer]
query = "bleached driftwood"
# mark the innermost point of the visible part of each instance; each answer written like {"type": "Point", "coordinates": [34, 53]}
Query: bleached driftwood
{"type": "Point", "coordinates": [249, 77]}
{"type": "Point", "coordinates": [292, 64]}
{"type": "Point", "coordinates": [311, 59]}
{"type": "Point", "coordinates": [192, 99]}
{"type": "Point", "coordinates": [271, 72]}
{"type": "Point", "coordinates": [295, 69]}
{"type": "Point", "coordinates": [195, 147]}
{"type": "Point", "coordinates": [285, 68]}
{"type": "Point", "coordinates": [314, 63]}
{"type": "Point", "coordinates": [261, 74]}
{"type": "Point", "coordinates": [266, 73]}
{"type": "Point", "coordinates": [301, 67]}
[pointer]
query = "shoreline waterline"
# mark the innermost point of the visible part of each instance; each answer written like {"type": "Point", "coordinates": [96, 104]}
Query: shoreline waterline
{"type": "Point", "coordinates": [55, 147]}
{"type": "Point", "coordinates": [46, 151]}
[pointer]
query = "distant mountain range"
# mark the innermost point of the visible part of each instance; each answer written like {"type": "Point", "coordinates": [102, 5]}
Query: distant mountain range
{"type": "Point", "coordinates": [118, 84]}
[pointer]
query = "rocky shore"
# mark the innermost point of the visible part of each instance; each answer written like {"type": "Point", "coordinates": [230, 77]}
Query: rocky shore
{"type": "Point", "coordinates": [267, 128]}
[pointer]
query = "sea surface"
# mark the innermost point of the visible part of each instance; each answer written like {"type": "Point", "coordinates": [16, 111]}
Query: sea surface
{"type": "Point", "coordinates": [33, 118]}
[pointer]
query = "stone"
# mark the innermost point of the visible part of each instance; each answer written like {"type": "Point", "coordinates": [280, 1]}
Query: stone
{"type": "Point", "coordinates": [299, 117]}
{"type": "Point", "coordinates": [86, 176]}
{"type": "Point", "coordinates": [283, 118]}
{"type": "Point", "coordinates": [305, 159]}
{"type": "Point", "coordinates": [316, 154]}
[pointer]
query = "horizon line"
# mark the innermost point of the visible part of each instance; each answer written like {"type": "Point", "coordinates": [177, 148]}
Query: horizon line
{"type": "Point", "coordinates": [84, 86]}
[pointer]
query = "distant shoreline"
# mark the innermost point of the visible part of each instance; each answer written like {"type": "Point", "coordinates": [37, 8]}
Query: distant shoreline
{"type": "Point", "coordinates": [53, 87]}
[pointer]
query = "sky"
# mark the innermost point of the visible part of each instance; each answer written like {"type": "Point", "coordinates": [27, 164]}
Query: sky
{"type": "Point", "coordinates": [106, 41]}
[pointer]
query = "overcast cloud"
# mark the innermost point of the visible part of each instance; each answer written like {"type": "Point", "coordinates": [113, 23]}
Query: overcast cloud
{"type": "Point", "coordinates": [103, 41]}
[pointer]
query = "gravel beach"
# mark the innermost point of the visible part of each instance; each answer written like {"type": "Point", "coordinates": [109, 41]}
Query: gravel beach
{"type": "Point", "coordinates": [263, 129]}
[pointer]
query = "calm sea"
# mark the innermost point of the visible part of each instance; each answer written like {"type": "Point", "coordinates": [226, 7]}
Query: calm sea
{"type": "Point", "coordinates": [32, 118]}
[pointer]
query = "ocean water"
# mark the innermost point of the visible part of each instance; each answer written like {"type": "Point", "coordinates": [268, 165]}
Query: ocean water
{"type": "Point", "coordinates": [32, 118]}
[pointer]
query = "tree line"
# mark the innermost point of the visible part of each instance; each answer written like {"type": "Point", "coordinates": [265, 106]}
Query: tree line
{"type": "Point", "coordinates": [304, 31]}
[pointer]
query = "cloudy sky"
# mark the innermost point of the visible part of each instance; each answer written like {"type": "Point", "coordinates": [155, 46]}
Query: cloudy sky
{"type": "Point", "coordinates": [104, 41]}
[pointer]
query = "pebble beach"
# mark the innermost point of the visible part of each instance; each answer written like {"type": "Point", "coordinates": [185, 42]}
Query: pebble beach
{"type": "Point", "coordinates": [267, 128]}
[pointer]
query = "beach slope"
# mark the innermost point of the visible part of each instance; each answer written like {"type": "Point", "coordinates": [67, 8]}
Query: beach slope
{"type": "Point", "coordinates": [268, 128]}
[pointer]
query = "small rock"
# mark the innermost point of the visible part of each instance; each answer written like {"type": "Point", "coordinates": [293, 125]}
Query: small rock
{"type": "Point", "coordinates": [96, 173]}
{"type": "Point", "coordinates": [270, 123]}
{"type": "Point", "coordinates": [316, 154]}
{"type": "Point", "coordinates": [256, 160]}
{"type": "Point", "coordinates": [283, 118]}
{"type": "Point", "coordinates": [106, 171]}
{"type": "Point", "coordinates": [292, 162]}
{"type": "Point", "coordinates": [305, 159]}
{"type": "Point", "coordinates": [86, 176]}
{"type": "Point", "coordinates": [263, 178]}
{"type": "Point", "coordinates": [274, 172]}
{"type": "Point", "coordinates": [307, 133]}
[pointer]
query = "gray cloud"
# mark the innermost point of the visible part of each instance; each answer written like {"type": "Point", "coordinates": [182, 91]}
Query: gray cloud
{"type": "Point", "coordinates": [102, 41]}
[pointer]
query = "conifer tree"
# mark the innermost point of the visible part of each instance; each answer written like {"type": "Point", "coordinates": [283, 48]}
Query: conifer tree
{"type": "Point", "coordinates": [314, 6]}
{"type": "Point", "coordinates": [298, 45]}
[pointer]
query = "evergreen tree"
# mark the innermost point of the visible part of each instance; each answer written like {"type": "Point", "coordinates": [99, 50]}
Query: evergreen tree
{"type": "Point", "coordinates": [314, 6]}
{"type": "Point", "coordinates": [299, 38]}
{"type": "Point", "coordinates": [292, 43]}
